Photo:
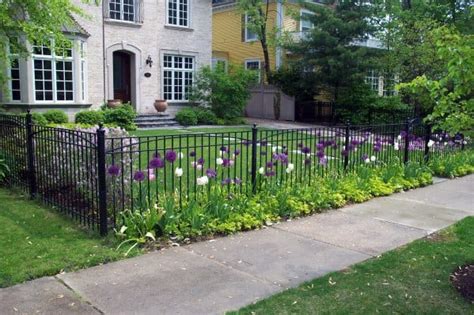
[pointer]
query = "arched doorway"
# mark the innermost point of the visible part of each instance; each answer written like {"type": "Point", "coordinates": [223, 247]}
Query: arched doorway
{"type": "Point", "coordinates": [122, 76]}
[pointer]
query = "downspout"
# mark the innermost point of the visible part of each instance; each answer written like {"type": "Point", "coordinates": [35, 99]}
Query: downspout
{"type": "Point", "coordinates": [279, 25]}
{"type": "Point", "coordinates": [104, 63]}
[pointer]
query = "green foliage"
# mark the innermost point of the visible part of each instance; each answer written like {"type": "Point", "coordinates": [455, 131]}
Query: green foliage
{"type": "Point", "coordinates": [56, 116]}
{"type": "Point", "coordinates": [39, 119]}
{"type": "Point", "coordinates": [226, 93]}
{"type": "Point", "coordinates": [205, 116]}
{"type": "Point", "coordinates": [453, 165]}
{"type": "Point", "coordinates": [453, 93]}
{"type": "Point", "coordinates": [122, 116]}
{"type": "Point", "coordinates": [187, 117]}
{"type": "Point", "coordinates": [89, 117]}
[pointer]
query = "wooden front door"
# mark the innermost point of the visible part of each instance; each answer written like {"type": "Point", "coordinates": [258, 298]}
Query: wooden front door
{"type": "Point", "coordinates": [122, 77]}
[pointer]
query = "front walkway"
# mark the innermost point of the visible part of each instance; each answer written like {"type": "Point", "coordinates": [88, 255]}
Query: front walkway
{"type": "Point", "coordinates": [228, 273]}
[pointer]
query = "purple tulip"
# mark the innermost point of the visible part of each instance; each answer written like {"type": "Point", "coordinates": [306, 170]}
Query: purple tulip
{"type": "Point", "coordinates": [237, 181]}
{"type": "Point", "coordinates": [306, 150]}
{"type": "Point", "coordinates": [223, 149]}
{"type": "Point", "coordinates": [211, 173]}
{"type": "Point", "coordinates": [192, 154]}
{"type": "Point", "coordinates": [320, 154]}
{"type": "Point", "coordinates": [226, 181]}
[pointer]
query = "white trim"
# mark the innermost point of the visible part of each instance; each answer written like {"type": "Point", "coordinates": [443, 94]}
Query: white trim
{"type": "Point", "coordinates": [305, 11]}
{"type": "Point", "coordinates": [247, 61]}
{"type": "Point", "coordinates": [247, 39]}
{"type": "Point", "coordinates": [121, 3]}
{"type": "Point", "coordinates": [9, 69]}
{"type": "Point", "coordinates": [173, 71]}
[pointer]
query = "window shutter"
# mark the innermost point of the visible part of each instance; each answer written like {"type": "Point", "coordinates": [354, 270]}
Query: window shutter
{"type": "Point", "coordinates": [243, 27]}
{"type": "Point", "coordinates": [141, 11]}
{"type": "Point", "coordinates": [105, 8]}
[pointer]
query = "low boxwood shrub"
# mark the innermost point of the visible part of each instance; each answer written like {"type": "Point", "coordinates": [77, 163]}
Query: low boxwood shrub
{"type": "Point", "coordinates": [39, 119]}
{"type": "Point", "coordinates": [122, 116]}
{"type": "Point", "coordinates": [89, 117]}
{"type": "Point", "coordinates": [187, 117]}
{"type": "Point", "coordinates": [55, 116]}
{"type": "Point", "coordinates": [205, 116]}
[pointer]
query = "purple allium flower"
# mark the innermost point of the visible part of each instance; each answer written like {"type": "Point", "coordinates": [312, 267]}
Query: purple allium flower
{"type": "Point", "coordinates": [113, 170]}
{"type": "Point", "coordinates": [192, 154]}
{"type": "Point", "coordinates": [305, 150]}
{"type": "Point", "coordinates": [156, 163]}
{"type": "Point", "coordinates": [307, 161]}
{"type": "Point", "coordinates": [354, 142]}
{"type": "Point", "coordinates": [377, 148]}
{"type": "Point", "coordinates": [320, 154]}
{"type": "Point", "coordinates": [226, 181]}
{"type": "Point", "coordinates": [237, 181]}
{"type": "Point", "coordinates": [269, 164]}
{"type": "Point", "coordinates": [200, 161]}
{"type": "Point", "coordinates": [139, 176]}
{"type": "Point", "coordinates": [211, 173]}
{"type": "Point", "coordinates": [223, 149]}
{"type": "Point", "coordinates": [270, 173]}
{"type": "Point", "coordinates": [157, 155]}
{"type": "Point", "coordinates": [236, 152]}
{"type": "Point", "coordinates": [170, 156]}
{"type": "Point", "coordinates": [227, 162]}
{"type": "Point", "coordinates": [345, 153]}
{"type": "Point", "coordinates": [320, 146]}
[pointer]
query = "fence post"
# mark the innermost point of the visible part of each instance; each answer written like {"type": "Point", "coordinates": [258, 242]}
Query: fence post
{"type": "Point", "coordinates": [346, 145]}
{"type": "Point", "coordinates": [407, 141]}
{"type": "Point", "coordinates": [102, 183]}
{"type": "Point", "coordinates": [427, 140]}
{"type": "Point", "coordinates": [30, 151]}
{"type": "Point", "coordinates": [253, 170]}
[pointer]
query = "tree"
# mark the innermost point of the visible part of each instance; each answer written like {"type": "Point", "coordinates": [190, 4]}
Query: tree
{"type": "Point", "coordinates": [330, 48]}
{"type": "Point", "coordinates": [24, 21]}
{"type": "Point", "coordinates": [258, 14]}
{"type": "Point", "coordinates": [452, 95]}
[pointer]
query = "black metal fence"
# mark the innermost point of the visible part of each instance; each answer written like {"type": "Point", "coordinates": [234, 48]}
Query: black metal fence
{"type": "Point", "coordinates": [93, 175]}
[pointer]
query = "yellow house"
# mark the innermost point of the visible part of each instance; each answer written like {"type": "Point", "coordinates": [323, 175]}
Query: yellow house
{"type": "Point", "coordinates": [233, 42]}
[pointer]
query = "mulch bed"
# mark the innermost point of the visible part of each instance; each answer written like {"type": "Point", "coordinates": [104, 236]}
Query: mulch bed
{"type": "Point", "coordinates": [463, 280]}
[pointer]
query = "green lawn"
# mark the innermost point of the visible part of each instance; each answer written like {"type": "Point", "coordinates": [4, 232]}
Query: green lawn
{"type": "Point", "coordinates": [410, 280]}
{"type": "Point", "coordinates": [36, 242]}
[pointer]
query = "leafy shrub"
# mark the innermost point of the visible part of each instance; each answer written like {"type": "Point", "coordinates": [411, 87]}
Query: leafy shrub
{"type": "Point", "coordinates": [122, 116]}
{"type": "Point", "coordinates": [226, 92]}
{"type": "Point", "coordinates": [453, 165]}
{"type": "Point", "coordinates": [187, 117]}
{"type": "Point", "coordinates": [205, 116]}
{"type": "Point", "coordinates": [56, 116]}
{"type": "Point", "coordinates": [89, 117]}
{"type": "Point", "coordinates": [39, 119]}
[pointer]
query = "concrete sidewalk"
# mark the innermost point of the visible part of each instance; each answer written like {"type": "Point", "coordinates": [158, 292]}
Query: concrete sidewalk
{"type": "Point", "coordinates": [228, 273]}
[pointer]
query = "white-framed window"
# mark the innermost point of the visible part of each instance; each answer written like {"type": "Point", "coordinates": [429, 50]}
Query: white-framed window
{"type": "Point", "coordinates": [372, 79]}
{"type": "Point", "coordinates": [254, 65]}
{"type": "Point", "coordinates": [82, 54]}
{"type": "Point", "coordinates": [123, 10]}
{"type": "Point", "coordinates": [249, 35]}
{"type": "Point", "coordinates": [178, 13]}
{"type": "Point", "coordinates": [178, 74]}
{"type": "Point", "coordinates": [15, 86]}
{"type": "Point", "coordinates": [305, 20]}
{"type": "Point", "coordinates": [53, 74]}
{"type": "Point", "coordinates": [219, 62]}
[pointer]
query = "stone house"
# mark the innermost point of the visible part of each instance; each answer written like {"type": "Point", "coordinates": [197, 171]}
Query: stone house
{"type": "Point", "coordinates": [133, 50]}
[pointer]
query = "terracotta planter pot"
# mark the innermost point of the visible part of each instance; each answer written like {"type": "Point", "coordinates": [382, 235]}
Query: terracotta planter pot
{"type": "Point", "coordinates": [160, 105]}
{"type": "Point", "coordinates": [114, 103]}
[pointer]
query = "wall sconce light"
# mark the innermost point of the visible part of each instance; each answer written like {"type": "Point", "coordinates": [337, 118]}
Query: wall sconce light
{"type": "Point", "coordinates": [149, 61]}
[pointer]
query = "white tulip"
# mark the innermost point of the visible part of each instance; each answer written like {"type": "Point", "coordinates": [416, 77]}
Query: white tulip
{"type": "Point", "coordinates": [367, 160]}
{"type": "Point", "coordinates": [430, 143]}
{"type": "Point", "coordinates": [219, 161]}
{"type": "Point", "coordinates": [261, 170]}
{"type": "Point", "coordinates": [178, 172]}
{"type": "Point", "coordinates": [199, 167]}
{"type": "Point", "coordinates": [396, 146]}
{"type": "Point", "coordinates": [201, 181]}
{"type": "Point", "coordinates": [290, 168]}
{"type": "Point", "coordinates": [373, 158]}
{"type": "Point", "coordinates": [399, 137]}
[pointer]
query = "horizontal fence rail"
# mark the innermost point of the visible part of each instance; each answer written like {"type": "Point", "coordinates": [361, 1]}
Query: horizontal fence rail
{"type": "Point", "coordinates": [95, 174]}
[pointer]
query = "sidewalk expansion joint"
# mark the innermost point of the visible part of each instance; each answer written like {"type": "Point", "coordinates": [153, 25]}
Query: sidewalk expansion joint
{"type": "Point", "coordinates": [427, 204]}
{"type": "Point", "coordinates": [77, 295]}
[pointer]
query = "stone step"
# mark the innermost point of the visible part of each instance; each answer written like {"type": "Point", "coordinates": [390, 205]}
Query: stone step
{"type": "Point", "coordinates": [156, 124]}
{"type": "Point", "coordinates": [149, 118]}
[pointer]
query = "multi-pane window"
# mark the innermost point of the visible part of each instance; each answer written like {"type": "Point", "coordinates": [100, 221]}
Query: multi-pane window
{"type": "Point", "coordinates": [178, 12]}
{"type": "Point", "coordinates": [178, 74]}
{"type": "Point", "coordinates": [15, 80]}
{"type": "Point", "coordinates": [255, 66]}
{"type": "Point", "coordinates": [250, 36]}
{"type": "Point", "coordinates": [305, 21]}
{"type": "Point", "coordinates": [372, 79]}
{"type": "Point", "coordinates": [122, 10]}
{"type": "Point", "coordinates": [218, 63]}
{"type": "Point", "coordinates": [53, 74]}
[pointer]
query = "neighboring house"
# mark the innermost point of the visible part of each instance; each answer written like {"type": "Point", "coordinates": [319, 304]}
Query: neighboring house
{"type": "Point", "coordinates": [133, 50]}
{"type": "Point", "coordinates": [233, 42]}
